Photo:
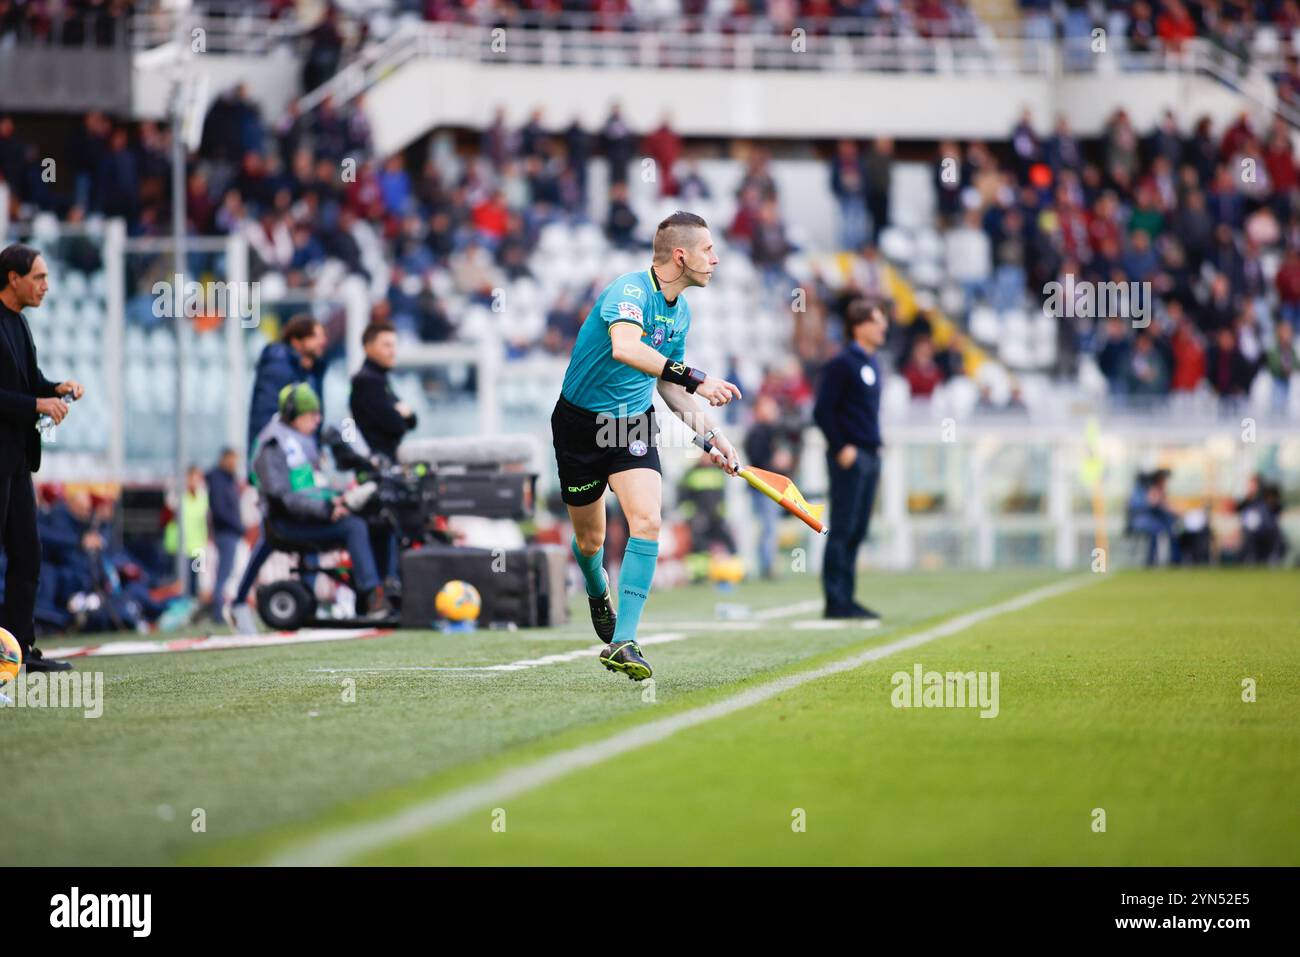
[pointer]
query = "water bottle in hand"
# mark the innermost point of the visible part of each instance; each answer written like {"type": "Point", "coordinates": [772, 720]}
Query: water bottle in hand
{"type": "Point", "coordinates": [45, 424]}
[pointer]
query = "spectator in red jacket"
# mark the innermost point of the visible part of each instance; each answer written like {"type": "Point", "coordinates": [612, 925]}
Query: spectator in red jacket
{"type": "Point", "coordinates": [1188, 351]}
{"type": "Point", "coordinates": [742, 228]}
{"type": "Point", "coordinates": [1281, 167]}
{"type": "Point", "coordinates": [1288, 285]}
{"type": "Point", "coordinates": [1103, 223]}
{"type": "Point", "coordinates": [1228, 371]}
{"type": "Point", "coordinates": [491, 217]}
{"type": "Point", "coordinates": [665, 148]}
{"type": "Point", "coordinates": [1175, 25]}
{"type": "Point", "coordinates": [922, 373]}
{"type": "Point", "coordinates": [1235, 136]}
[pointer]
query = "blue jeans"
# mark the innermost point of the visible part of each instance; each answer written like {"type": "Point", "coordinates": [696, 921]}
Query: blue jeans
{"type": "Point", "coordinates": [227, 546]}
{"type": "Point", "coordinates": [1008, 287]}
{"type": "Point", "coordinates": [975, 291]}
{"type": "Point", "coordinates": [386, 549]}
{"type": "Point", "coordinates": [853, 493]}
{"type": "Point", "coordinates": [350, 533]}
{"type": "Point", "coordinates": [766, 511]}
{"type": "Point", "coordinates": [1156, 522]}
{"type": "Point", "coordinates": [854, 222]}
{"type": "Point", "coordinates": [256, 559]}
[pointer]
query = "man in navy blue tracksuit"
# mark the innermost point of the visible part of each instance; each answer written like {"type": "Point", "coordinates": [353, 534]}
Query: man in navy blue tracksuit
{"type": "Point", "coordinates": [848, 413]}
{"type": "Point", "coordinates": [227, 524]}
{"type": "Point", "coordinates": [297, 357]}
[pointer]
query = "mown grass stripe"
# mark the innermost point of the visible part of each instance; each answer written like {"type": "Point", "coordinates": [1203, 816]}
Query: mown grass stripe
{"type": "Point", "coordinates": [342, 844]}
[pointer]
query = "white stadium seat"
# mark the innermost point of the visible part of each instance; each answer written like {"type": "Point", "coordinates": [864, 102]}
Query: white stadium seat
{"type": "Point", "coordinates": [985, 325]}
{"type": "Point", "coordinates": [897, 245]}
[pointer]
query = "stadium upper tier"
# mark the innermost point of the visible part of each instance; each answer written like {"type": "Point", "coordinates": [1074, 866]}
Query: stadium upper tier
{"type": "Point", "coordinates": [780, 68]}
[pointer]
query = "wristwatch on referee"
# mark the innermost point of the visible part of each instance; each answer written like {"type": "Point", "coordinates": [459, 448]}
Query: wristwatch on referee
{"type": "Point", "coordinates": [682, 374]}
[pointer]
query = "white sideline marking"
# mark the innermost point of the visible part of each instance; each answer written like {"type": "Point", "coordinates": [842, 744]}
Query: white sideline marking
{"type": "Point", "coordinates": [749, 624]}
{"type": "Point", "coordinates": [836, 624]}
{"type": "Point", "coordinates": [345, 843]}
{"type": "Point", "coordinates": [213, 642]}
{"type": "Point", "coordinates": [705, 625]}
{"type": "Point", "coordinates": [523, 664]}
{"type": "Point", "coordinates": [785, 611]}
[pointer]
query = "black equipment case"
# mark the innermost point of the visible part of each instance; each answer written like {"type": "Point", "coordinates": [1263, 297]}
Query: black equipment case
{"type": "Point", "coordinates": [525, 586]}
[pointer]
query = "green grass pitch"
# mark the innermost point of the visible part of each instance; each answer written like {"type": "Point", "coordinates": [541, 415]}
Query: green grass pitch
{"type": "Point", "coordinates": [1124, 695]}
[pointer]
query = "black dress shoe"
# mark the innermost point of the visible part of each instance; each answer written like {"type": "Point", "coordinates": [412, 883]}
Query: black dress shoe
{"type": "Point", "coordinates": [839, 613]}
{"type": "Point", "coordinates": [33, 660]}
{"type": "Point", "coordinates": [861, 611]}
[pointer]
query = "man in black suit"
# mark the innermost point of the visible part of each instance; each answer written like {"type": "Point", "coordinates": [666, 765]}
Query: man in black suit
{"type": "Point", "coordinates": [848, 413]}
{"type": "Point", "coordinates": [25, 394]}
{"type": "Point", "coordinates": [383, 420]}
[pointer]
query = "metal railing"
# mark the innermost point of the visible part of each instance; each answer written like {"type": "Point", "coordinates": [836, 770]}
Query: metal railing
{"type": "Point", "coordinates": [69, 31]}
{"type": "Point", "coordinates": [383, 24]}
{"type": "Point", "coordinates": [1199, 57]}
{"type": "Point", "coordinates": [241, 34]}
{"type": "Point", "coordinates": [681, 50]}
{"type": "Point", "coordinates": [899, 45]}
{"type": "Point", "coordinates": [237, 23]}
{"type": "Point", "coordinates": [983, 55]}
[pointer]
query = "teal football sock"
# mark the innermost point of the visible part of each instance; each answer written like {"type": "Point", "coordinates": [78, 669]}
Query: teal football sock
{"type": "Point", "coordinates": [634, 585]}
{"type": "Point", "coordinates": [593, 570]}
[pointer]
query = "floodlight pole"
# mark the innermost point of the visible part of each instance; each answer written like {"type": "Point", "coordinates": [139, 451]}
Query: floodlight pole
{"type": "Point", "coordinates": [178, 110]}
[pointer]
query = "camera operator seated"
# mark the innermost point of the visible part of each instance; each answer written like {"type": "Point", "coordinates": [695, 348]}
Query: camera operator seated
{"type": "Point", "coordinates": [296, 504]}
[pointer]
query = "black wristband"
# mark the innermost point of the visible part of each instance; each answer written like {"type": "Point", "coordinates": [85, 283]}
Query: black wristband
{"type": "Point", "coordinates": [679, 373]}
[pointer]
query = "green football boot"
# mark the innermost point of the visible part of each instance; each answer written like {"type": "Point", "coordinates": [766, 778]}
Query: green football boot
{"type": "Point", "coordinates": [626, 657]}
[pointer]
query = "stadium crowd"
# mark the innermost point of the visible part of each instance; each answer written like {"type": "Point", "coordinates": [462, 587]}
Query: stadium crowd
{"type": "Point", "coordinates": [93, 580]}
{"type": "Point", "coordinates": [1202, 218]}
{"type": "Point", "coordinates": [1199, 220]}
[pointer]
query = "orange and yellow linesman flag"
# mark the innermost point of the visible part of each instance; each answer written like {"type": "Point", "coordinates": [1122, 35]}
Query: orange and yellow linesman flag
{"type": "Point", "coordinates": [780, 489]}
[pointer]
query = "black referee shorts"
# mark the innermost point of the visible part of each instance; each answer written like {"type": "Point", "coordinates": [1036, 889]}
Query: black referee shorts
{"type": "Point", "coordinates": [590, 447]}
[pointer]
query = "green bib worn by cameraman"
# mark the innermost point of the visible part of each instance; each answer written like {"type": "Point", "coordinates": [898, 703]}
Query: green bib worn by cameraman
{"type": "Point", "coordinates": [299, 506]}
{"type": "Point", "coordinates": [285, 462]}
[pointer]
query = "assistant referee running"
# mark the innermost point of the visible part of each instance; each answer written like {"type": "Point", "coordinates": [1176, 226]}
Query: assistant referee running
{"type": "Point", "coordinates": [603, 424]}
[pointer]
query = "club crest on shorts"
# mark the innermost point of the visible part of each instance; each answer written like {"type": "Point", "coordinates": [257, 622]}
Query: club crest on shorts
{"type": "Point", "coordinates": [638, 447]}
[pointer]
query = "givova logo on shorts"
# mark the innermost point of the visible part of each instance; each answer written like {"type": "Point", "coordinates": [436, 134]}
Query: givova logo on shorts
{"type": "Point", "coordinates": [584, 488]}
